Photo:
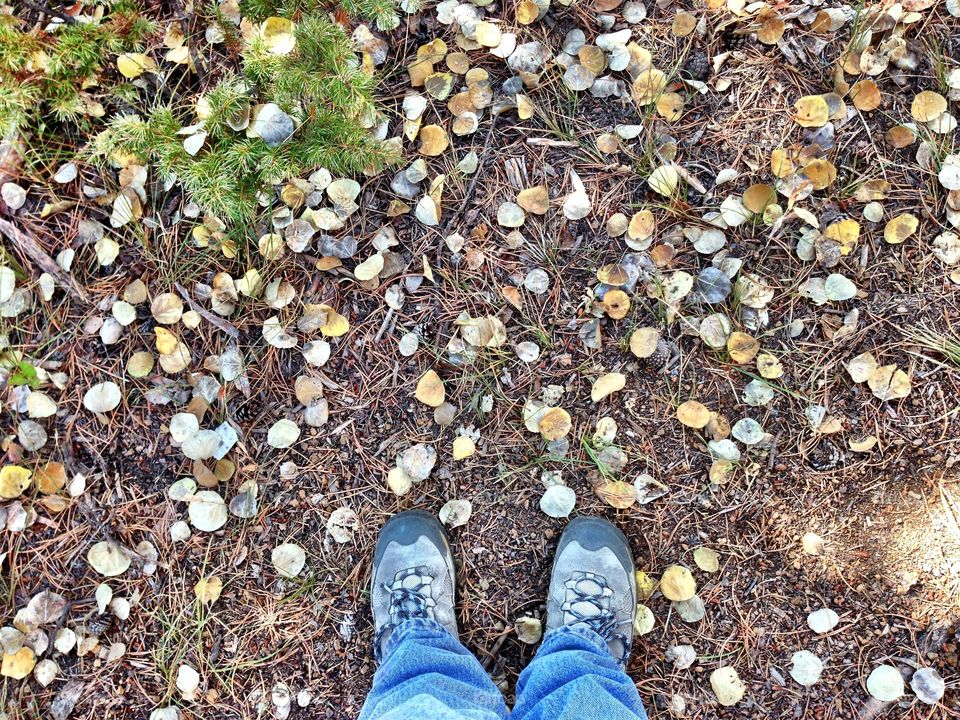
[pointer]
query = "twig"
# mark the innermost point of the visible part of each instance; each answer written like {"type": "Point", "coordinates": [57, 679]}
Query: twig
{"type": "Point", "coordinates": [44, 10]}
{"type": "Point", "coordinates": [384, 325]}
{"type": "Point", "coordinates": [209, 316]}
{"type": "Point", "coordinates": [31, 247]}
{"type": "Point", "coordinates": [471, 188]}
{"type": "Point", "coordinates": [191, 46]}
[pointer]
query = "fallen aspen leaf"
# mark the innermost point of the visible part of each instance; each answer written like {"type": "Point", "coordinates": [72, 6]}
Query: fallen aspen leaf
{"type": "Point", "coordinates": [534, 200]}
{"type": "Point", "coordinates": [207, 590]}
{"type": "Point", "coordinates": [618, 494]}
{"type": "Point", "coordinates": [677, 583]}
{"type": "Point", "coordinates": [888, 382]}
{"type": "Point", "coordinates": [900, 228]}
{"type": "Point", "coordinates": [102, 397]}
{"type": "Point", "coordinates": [885, 683]}
{"type": "Point", "coordinates": [693, 414]}
{"type": "Point", "coordinates": [455, 513]}
{"type": "Point", "coordinates": [616, 303]}
{"type": "Point", "coordinates": [727, 686]}
{"type": "Point", "coordinates": [644, 342]}
{"type": "Point", "coordinates": [207, 511]}
{"type": "Point", "coordinates": [607, 384]}
{"type": "Point", "coordinates": [811, 111]}
{"type": "Point", "coordinates": [558, 501]}
{"type": "Point", "coordinates": [643, 620]}
{"type": "Point", "coordinates": [288, 559]}
{"type": "Point", "coordinates": [430, 390]}
{"type": "Point", "coordinates": [928, 105]}
{"type": "Point", "coordinates": [806, 668]}
{"type": "Point", "coordinates": [865, 95]}
{"type": "Point", "coordinates": [282, 434]}
{"type": "Point", "coordinates": [555, 423]}
{"type": "Point", "coordinates": [463, 447]}
{"type": "Point", "coordinates": [18, 665]}
{"type": "Point", "coordinates": [14, 479]}
{"type": "Point", "coordinates": [433, 140]}
{"type": "Point", "coordinates": [742, 347]}
{"type": "Point", "coordinates": [133, 65]}
{"type": "Point", "coordinates": [108, 559]}
{"type": "Point", "coordinates": [706, 559]}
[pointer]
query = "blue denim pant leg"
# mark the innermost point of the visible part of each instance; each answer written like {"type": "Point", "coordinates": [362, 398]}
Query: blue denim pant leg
{"type": "Point", "coordinates": [426, 674]}
{"type": "Point", "coordinates": [574, 677]}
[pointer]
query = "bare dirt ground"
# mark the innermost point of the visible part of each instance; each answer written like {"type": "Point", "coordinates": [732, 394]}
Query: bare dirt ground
{"type": "Point", "coordinates": [888, 557]}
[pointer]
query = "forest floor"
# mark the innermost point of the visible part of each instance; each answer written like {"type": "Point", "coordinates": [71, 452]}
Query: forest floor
{"type": "Point", "coordinates": [842, 494]}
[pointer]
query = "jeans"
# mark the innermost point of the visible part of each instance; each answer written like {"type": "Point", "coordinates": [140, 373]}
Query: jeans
{"type": "Point", "coordinates": [426, 674]}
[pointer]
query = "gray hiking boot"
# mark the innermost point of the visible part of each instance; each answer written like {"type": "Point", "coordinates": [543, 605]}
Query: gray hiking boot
{"type": "Point", "coordinates": [593, 584]}
{"type": "Point", "coordinates": [412, 577]}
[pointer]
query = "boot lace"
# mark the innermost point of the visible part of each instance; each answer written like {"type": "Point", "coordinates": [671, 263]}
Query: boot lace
{"type": "Point", "coordinates": [588, 604]}
{"type": "Point", "coordinates": [410, 597]}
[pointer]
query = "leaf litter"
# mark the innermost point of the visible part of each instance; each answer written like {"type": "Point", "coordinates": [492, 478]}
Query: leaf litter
{"type": "Point", "coordinates": [728, 319]}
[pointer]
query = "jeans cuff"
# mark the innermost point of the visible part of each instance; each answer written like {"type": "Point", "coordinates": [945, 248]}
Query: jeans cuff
{"type": "Point", "coordinates": [414, 627]}
{"type": "Point", "coordinates": [557, 636]}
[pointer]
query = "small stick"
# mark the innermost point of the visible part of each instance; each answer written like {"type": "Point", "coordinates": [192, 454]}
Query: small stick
{"type": "Point", "coordinates": [210, 317]}
{"type": "Point", "coordinates": [470, 188]}
{"type": "Point", "coordinates": [44, 10]}
{"type": "Point", "coordinates": [31, 247]}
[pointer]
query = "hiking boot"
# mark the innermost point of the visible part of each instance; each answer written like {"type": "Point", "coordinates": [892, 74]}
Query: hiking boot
{"type": "Point", "coordinates": [412, 576]}
{"type": "Point", "coordinates": [592, 584]}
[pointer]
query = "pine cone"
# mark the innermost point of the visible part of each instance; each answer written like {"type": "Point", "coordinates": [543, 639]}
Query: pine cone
{"type": "Point", "coordinates": [697, 66]}
{"type": "Point", "coordinates": [661, 356]}
{"type": "Point", "coordinates": [735, 41]}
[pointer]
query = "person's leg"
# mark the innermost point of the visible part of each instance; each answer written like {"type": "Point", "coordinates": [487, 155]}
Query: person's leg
{"type": "Point", "coordinates": [425, 673]}
{"type": "Point", "coordinates": [578, 672]}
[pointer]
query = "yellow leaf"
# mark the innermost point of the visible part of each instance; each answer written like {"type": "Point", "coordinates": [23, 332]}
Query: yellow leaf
{"type": "Point", "coordinates": [756, 198]}
{"type": "Point", "coordinates": [617, 493]}
{"type": "Point", "coordinates": [781, 164]}
{"type": "Point", "coordinates": [693, 414]}
{"type": "Point", "coordinates": [607, 384]}
{"type": "Point", "coordinates": [433, 140]}
{"type": "Point", "coordinates": [771, 26]}
{"type": "Point", "coordinates": [166, 341]}
{"type": "Point", "coordinates": [534, 200]}
{"type": "Point", "coordinates": [616, 303]}
{"type": "Point", "coordinates": [13, 481]}
{"type": "Point", "coordinates": [527, 12]}
{"type": "Point", "coordinates": [208, 589]}
{"type": "Point", "coordinates": [742, 347]}
{"type": "Point", "coordinates": [900, 228]}
{"type": "Point", "coordinates": [277, 34]}
{"type": "Point", "coordinates": [845, 232]}
{"type": "Point", "coordinates": [811, 111]}
{"type": "Point", "coordinates": [642, 225]}
{"type": "Point", "coordinates": [677, 583]}
{"type": "Point", "coordinates": [644, 341]}
{"type": "Point", "coordinates": [821, 173]}
{"type": "Point", "coordinates": [19, 664]}
{"type": "Point", "coordinates": [336, 324]}
{"type": "Point", "coordinates": [133, 65]}
{"type": "Point", "coordinates": [430, 390]}
{"type": "Point", "coordinates": [525, 107]}
{"type": "Point", "coordinates": [768, 366]}
{"type": "Point", "coordinates": [927, 106]}
{"type": "Point", "coordinates": [463, 447]}
{"type": "Point", "coordinates": [645, 585]}
{"type": "Point", "coordinates": [670, 106]}
{"type": "Point", "coordinates": [555, 423]}
{"type": "Point", "coordinates": [51, 477]}
{"type": "Point", "coordinates": [865, 95]}
{"type": "Point", "coordinates": [863, 445]}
